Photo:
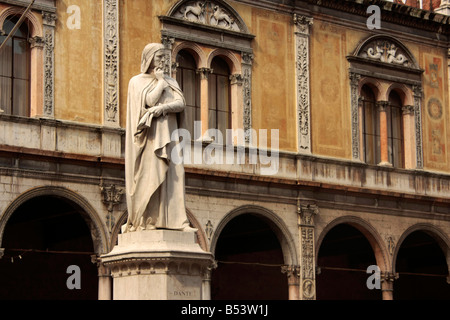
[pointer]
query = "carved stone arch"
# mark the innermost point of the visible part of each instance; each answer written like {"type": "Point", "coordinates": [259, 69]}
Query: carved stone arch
{"type": "Point", "coordinates": [201, 237]}
{"type": "Point", "coordinates": [371, 234]}
{"type": "Point", "coordinates": [98, 234]}
{"type": "Point", "coordinates": [393, 51]}
{"type": "Point", "coordinates": [404, 92]}
{"type": "Point", "coordinates": [374, 84]}
{"type": "Point", "coordinates": [229, 57]}
{"type": "Point", "coordinates": [36, 26]}
{"type": "Point", "coordinates": [436, 233]}
{"type": "Point", "coordinates": [235, 22]}
{"type": "Point", "coordinates": [197, 53]}
{"type": "Point", "coordinates": [277, 225]}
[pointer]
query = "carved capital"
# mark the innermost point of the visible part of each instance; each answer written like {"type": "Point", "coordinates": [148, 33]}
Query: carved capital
{"type": "Point", "coordinates": [307, 212]}
{"type": "Point", "coordinates": [387, 276]}
{"type": "Point", "coordinates": [408, 109]}
{"type": "Point", "coordinates": [382, 105]}
{"type": "Point", "coordinates": [418, 91]}
{"type": "Point", "coordinates": [167, 41]}
{"type": "Point", "coordinates": [204, 72]}
{"type": "Point", "coordinates": [111, 196]}
{"type": "Point", "coordinates": [36, 42]}
{"type": "Point", "coordinates": [293, 274]}
{"type": "Point", "coordinates": [354, 79]}
{"type": "Point", "coordinates": [49, 18]}
{"type": "Point", "coordinates": [236, 79]}
{"type": "Point", "coordinates": [247, 58]}
{"type": "Point", "coordinates": [2, 252]}
{"type": "Point", "coordinates": [303, 24]}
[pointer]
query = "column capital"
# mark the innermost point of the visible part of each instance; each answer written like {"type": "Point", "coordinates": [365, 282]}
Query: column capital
{"type": "Point", "coordinates": [36, 42]}
{"type": "Point", "coordinates": [307, 212]}
{"type": "Point", "coordinates": [237, 79]}
{"type": "Point", "coordinates": [293, 274]}
{"type": "Point", "coordinates": [408, 109]}
{"type": "Point", "coordinates": [388, 276]}
{"type": "Point", "coordinates": [49, 18]}
{"type": "Point", "coordinates": [2, 252]}
{"type": "Point", "coordinates": [204, 72]}
{"type": "Point", "coordinates": [303, 24]}
{"type": "Point", "coordinates": [382, 105]}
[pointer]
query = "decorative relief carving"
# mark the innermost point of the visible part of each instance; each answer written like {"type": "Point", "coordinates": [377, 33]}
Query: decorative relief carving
{"type": "Point", "coordinates": [209, 13]}
{"type": "Point", "coordinates": [306, 213]}
{"type": "Point", "coordinates": [111, 62]}
{"type": "Point", "coordinates": [36, 42]}
{"type": "Point", "coordinates": [209, 228]}
{"type": "Point", "coordinates": [417, 90]}
{"type": "Point", "coordinates": [391, 245]}
{"type": "Point", "coordinates": [111, 196]}
{"type": "Point", "coordinates": [387, 52]}
{"type": "Point", "coordinates": [354, 82]}
{"type": "Point", "coordinates": [48, 20]}
{"type": "Point", "coordinates": [303, 91]}
{"type": "Point", "coordinates": [247, 61]}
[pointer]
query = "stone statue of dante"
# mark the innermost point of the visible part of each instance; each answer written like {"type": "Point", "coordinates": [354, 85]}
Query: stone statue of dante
{"type": "Point", "coordinates": [154, 184]}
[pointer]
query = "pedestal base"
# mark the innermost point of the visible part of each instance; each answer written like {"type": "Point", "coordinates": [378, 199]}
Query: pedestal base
{"type": "Point", "coordinates": [158, 265]}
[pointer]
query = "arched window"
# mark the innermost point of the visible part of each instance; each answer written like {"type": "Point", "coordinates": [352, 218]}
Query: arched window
{"type": "Point", "coordinates": [219, 115]}
{"type": "Point", "coordinates": [371, 127]}
{"type": "Point", "coordinates": [395, 130]}
{"type": "Point", "coordinates": [189, 82]}
{"type": "Point", "coordinates": [15, 70]}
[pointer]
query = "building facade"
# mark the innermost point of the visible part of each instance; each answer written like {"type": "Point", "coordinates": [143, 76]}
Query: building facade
{"type": "Point", "coordinates": [316, 142]}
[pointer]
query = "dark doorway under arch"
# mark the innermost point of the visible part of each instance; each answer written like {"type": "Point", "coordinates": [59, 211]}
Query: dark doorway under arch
{"type": "Point", "coordinates": [42, 238]}
{"type": "Point", "coordinates": [249, 259]}
{"type": "Point", "coordinates": [422, 269]}
{"type": "Point", "coordinates": [344, 256]}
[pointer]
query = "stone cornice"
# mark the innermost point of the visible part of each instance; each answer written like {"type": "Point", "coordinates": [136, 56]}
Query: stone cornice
{"type": "Point", "coordinates": [390, 12]}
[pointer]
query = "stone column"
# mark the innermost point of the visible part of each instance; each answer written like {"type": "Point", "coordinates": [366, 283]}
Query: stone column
{"type": "Point", "coordinates": [104, 283]}
{"type": "Point", "coordinates": [293, 275]}
{"type": "Point", "coordinates": [236, 82]}
{"type": "Point", "coordinates": [37, 45]}
{"type": "Point", "coordinates": [206, 286]}
{"type": "Point", "coordinates": [387, 285]}
{"type": "Point", "coordinates": [204, 97]}
{"type": "Point", "coordinates": [382, 105]}
{"type": "Point", "coordinates": [49, 22]}
{"type": "Point", "coordinates": [306, 213]}
{"type": "Point", "coordinates": [302, 33]}
{"type": "Point", "coordinates": [111, 111]}
{"type": "Point", "coordinates": [408, 134]}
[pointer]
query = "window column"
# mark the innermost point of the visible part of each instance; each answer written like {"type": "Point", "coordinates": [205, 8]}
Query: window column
{"type": "Point", "coordinates": [204, 97]}
{"type": "Point", "coordinates": [382, 109]}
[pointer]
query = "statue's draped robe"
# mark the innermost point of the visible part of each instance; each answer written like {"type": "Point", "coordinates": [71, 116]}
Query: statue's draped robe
{"type": "Point", "coordinates": [154, 184]}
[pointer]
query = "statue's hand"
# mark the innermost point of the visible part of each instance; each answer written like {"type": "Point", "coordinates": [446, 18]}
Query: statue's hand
{"type": "Point", "coordinates": [156, 111]}
{"type": "Point", "coordinates": [159, 74]}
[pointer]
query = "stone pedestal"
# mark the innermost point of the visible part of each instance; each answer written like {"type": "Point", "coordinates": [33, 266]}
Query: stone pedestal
{"type": "Point", "coordinates": [158, 265]}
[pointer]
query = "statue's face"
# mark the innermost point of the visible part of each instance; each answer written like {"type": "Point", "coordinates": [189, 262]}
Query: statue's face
{"type": "Point", "coordinates": [158, 60]}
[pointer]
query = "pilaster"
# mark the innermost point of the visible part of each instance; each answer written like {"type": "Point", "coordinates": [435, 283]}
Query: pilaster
{"type": "Point", "coordinates": [111, 63]}
{"type": "Point", "coordinates": [302, 34]}
{"type": "Point", "coordinates": [306, 213]}
{"type": "Point", "coordinates": [49, 23]}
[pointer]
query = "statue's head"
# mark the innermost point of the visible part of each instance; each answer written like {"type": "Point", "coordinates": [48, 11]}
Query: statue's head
{"type": "Point", "coordinates": [152, 56]}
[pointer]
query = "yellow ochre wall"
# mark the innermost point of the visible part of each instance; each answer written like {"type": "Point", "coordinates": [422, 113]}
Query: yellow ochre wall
{"type": "Point", "coordinates": [79, 74]}
{"type": "Point", "coordinates": [79, 63]}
